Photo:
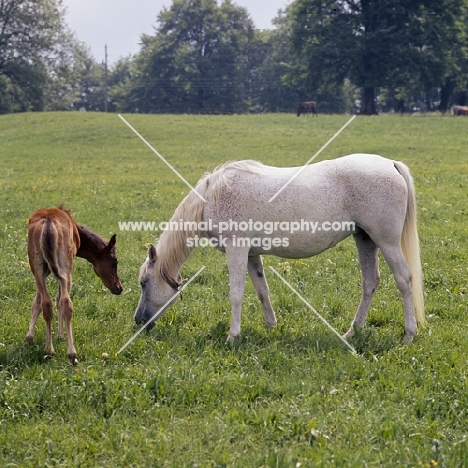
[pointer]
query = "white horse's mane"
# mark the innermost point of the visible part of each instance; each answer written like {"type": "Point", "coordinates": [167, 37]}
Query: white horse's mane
{"type": "Point", "coordinates": [172, 250]}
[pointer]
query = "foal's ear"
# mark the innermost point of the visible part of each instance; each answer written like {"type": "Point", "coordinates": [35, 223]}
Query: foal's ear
{"type": "Point", "coordinates": [112, 241]}
{"type": "Point", "coordinates": [152, 253]}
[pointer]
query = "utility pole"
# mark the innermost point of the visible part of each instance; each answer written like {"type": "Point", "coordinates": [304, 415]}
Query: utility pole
{"type": "Point", "coordinates": [105, 78]}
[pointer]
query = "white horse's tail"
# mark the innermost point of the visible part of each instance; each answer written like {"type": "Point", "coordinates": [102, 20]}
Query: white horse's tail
{"type": "Point", "coordinates": [410, 245]}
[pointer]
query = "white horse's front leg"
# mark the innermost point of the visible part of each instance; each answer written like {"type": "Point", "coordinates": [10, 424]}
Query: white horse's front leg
{"type": "Point", "coordinates": [237, 267]}
{"type": "Point", "coordinates": [257, 275]}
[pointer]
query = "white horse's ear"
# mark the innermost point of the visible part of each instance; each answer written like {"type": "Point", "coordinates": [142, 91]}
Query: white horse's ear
{"type": "Point", "coordinates": [152, 253]}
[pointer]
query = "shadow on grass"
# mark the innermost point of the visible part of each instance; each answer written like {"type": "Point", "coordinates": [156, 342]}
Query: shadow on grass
{"type": "Point", "coordinates": [370, 341]}
{"type": "Point", "coordinates": [23, 355]}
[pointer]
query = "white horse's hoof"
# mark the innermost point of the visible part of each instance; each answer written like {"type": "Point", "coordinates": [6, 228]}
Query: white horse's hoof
{"type": "Point", "coordinates": [407, 339]}
{"type": "Point", "coordinates": [231, 338]}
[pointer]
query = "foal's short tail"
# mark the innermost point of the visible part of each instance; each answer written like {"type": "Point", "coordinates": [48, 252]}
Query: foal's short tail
{"type": "Point", "coordinates": [48, 243]}
{"type": "Point", "coordinates": [410, 245]}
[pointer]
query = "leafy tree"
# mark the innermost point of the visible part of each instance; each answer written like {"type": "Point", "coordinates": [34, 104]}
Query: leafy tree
{"type": "Point", "coordinates": [88, 82]}
{"type": "Point", "coordinates": [374, 44]}
{"type": "Point", "coordinates": [196, 62]}
{"type": "Point", "coordinates": [31, 35]}
{"type": "Point", "coordinates": [120, 84]}
{"type": "Point", "coordinates": [270, 63]}
{"type": "Point", "coordinates": [286, 76]}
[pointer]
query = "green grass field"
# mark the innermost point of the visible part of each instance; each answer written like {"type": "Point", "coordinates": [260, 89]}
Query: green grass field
{"type": "Point", "coordinates": [179, 396]}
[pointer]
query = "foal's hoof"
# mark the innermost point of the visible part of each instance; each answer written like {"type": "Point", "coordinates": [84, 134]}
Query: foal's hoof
{"type": "Point", "coordinates": [73, 359]}
{"type": "Point", "coordinates": [28, 340]}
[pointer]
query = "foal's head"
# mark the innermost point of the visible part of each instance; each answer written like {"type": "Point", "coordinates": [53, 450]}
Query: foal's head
{"type": "Point", "coordinates": [105, 266]}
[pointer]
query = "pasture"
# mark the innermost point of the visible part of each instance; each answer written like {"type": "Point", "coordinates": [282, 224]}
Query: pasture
{"type": "Point", "coordinates": [179, 396]}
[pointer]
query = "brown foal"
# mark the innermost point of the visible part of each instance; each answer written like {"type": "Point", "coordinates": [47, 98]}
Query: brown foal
{"type": "Point", "coordinates": [54, 239]}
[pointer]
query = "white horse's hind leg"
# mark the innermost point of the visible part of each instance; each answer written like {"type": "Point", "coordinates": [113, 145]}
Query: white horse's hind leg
{"type": "Point", "coordinates": [368, 259]}
{"type": "Point", "coordinates": [257, 275]}
{"type": "Point", "coordinates": [237, 266]}
{"type": "Point", "coordinates": [395, 259]}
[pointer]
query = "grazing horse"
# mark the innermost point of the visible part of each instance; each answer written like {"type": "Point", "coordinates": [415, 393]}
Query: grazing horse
{"type": "Point", "coordinates": [460, 110]}
{"type": "Point", "coordinates": [307, 108]}
{"type": "Point", "coordinates": [374, 194]}
{"type": "Point", "coordinates": [54, 239]}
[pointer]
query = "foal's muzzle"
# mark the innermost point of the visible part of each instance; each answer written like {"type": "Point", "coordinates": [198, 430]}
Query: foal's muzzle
{"type": "Point", "coordinates": [117, 289]}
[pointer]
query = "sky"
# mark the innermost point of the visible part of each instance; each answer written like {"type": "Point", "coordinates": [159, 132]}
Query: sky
{"type": "Point", "coordinates": [119, 25]}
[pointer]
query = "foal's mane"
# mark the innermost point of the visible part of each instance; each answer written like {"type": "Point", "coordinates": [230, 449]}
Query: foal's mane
{"type": "Point", "coordinates": [90, 237]}
{"type": "Point", "coordinates": [172, 250]}
{"type": "Point", "coordinates": [86, 235]}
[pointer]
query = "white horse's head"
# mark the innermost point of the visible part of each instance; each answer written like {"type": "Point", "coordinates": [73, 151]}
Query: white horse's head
{"type": "Point", "coordinates": [158, 290]}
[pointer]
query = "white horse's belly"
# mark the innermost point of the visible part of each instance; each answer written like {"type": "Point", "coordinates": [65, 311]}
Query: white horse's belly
{"type": "Point", "coordinates": [298, 246]}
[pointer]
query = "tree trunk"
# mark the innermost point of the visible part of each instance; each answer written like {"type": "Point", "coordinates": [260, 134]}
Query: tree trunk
{"type": "Point", "coordinates": [446, 91]}
{"type": "Point", "coordinates": [368, 102]}
{"type": "Point", "coordinates": [201, 99]}
{"type": "Point", "coordinates": [399, 106]}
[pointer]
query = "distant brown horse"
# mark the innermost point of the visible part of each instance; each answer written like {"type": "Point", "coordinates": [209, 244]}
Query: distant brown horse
{"type": "Point", "coordinates": [460, 110]}
{"type": "Point", "coordinates": [54, 239]}
{"type": "Point", "coordinates": [307, 108]}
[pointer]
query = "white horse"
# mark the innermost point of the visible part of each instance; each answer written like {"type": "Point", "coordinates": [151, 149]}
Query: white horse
{"type": "Point", "coordinates": [371, 193]}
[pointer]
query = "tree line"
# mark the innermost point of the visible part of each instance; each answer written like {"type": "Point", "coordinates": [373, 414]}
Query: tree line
{"type": "Point", "coordinates": [207, 57]}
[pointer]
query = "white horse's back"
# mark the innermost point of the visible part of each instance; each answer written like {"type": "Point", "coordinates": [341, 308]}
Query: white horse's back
{"type": "Point", "coordinates": [352, 190]}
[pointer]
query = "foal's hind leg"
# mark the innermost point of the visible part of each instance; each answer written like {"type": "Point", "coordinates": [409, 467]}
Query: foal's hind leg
{"type": "Point", "coordinates": [42, 302]}
{"type": "Point", "coordinates": [60, 316]}
{"type": "Point", "coordinates": [368, 259]}
{"type": "Point", "coordinates": [36, 310]}
{"type": "Point", "coordinates": [65, 307]}
{"type": "Point", "coordinates": [396, 260]}
{"type": "Point", "coordinates": [257, 275]}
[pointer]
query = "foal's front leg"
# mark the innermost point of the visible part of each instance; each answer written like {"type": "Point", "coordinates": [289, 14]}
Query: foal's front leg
{"type": "Point", "coordinates": [237, 267]}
